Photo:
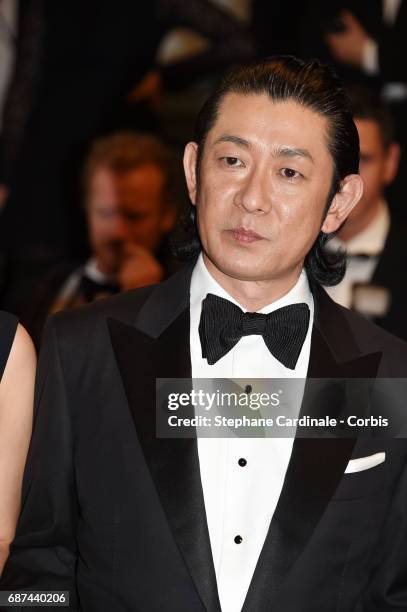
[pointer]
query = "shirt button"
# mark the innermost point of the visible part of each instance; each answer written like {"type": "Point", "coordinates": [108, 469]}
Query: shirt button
{"type": "Point", "coordinates": [238, 539]}
{"type": "Point", "coordinates": [248, 389]}
{"type": "Point", "coordinates": [242, 462]}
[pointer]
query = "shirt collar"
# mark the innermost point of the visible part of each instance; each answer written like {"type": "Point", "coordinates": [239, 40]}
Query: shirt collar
{"type": "Point", "coordinates": [202, 283]}
{"type": "Point", "coordinates": [91, 270]}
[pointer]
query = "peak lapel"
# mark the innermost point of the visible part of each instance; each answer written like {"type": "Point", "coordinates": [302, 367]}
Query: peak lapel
{"type": "Point", "coordinates": [316, 465]}
{"type": "Point", "coordinates": [157, 346]}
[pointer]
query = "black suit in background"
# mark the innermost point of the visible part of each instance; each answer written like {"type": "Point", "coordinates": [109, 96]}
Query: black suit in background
{"type": "Point", "coordinates": [116, 515]}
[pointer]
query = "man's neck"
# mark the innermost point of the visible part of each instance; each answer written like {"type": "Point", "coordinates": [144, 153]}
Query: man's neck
{"type": "Point", "coordinates": [253, 295]}
{"type": "Point", "coordinates": [350, 229]}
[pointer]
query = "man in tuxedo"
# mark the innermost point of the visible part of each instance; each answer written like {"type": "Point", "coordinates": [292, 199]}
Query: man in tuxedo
{"type": "Point", "coordinates": [126, 520]}
{"type": "Point", "coordinates": [131, 195]}
{"type": "Point", "coordinates": [373, 241]}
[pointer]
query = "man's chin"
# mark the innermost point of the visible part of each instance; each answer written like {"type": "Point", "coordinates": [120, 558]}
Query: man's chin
{"type": "Point", "coordinates": [239, 270]}
{"type": "Point", "coordinates": [243, 274]}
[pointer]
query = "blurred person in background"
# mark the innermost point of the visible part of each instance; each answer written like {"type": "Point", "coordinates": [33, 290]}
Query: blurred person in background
{"type": "Point", "coordinates": [371, 36]}
{"type": "Point", "coordinates": [375, 244]}
{"type": "Point", "coordinates": [364, 39]}
{"type": "Point", "coordinates": [93, 54]}
{"type": "Point", "coordinates": [17, 371]}
{"type": "Point", "coordinates": [131, 199]}
{"type": "Point", "coordinates": [368, 40]}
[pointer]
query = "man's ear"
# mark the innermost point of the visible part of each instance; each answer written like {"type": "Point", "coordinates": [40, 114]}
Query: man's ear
{"type": "Point", "coordinates": [349, 194]}
{"type": "Point", "coordinates": [190, 157]}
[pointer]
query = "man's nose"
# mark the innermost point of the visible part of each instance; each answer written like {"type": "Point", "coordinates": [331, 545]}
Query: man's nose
{"type": "Point", "coordinates": [255, 193]}
{"type": "Point", "coordinates": [119, 227]}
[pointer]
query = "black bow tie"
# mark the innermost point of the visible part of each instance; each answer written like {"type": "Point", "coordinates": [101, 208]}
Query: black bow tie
{"type": "Point", "coordinates": [90, 289]}
{"type": "Point", "coordinates": [223, 324]}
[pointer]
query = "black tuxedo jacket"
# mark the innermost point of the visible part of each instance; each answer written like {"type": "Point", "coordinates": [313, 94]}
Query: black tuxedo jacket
{"type": "Point", "coordinates": [117, 516]}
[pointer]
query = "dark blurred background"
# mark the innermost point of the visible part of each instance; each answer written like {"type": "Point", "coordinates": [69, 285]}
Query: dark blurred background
{"type": "Point", "coordinates": [97, 99]}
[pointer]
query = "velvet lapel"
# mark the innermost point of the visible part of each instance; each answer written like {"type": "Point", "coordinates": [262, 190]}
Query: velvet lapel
{"type": "Point", "coordinates": [157, 346]}
{"type": "Point", "coordinates": [316, 465]}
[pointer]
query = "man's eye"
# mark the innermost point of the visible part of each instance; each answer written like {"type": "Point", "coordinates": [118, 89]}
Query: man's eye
{"type": "Point", "coordinates": [232, 162]}
{"type": "Point", "coordinates": [290, 173]}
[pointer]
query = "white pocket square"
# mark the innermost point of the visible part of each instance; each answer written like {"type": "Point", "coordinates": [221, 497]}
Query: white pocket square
{"type": "Point", "coordinates": [365, 463]}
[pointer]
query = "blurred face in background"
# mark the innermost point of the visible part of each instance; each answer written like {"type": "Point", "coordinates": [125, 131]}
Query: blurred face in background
{"type": "Point", "coordinates": [123, 209]}
{"type": "Point", "coordinates": [378, 168]}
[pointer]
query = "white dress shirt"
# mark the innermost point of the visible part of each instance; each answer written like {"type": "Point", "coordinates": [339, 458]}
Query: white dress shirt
{"type": "Point", "coordinates": [370, 242]}
{"type": "Point", "coordinates": [240, 500]}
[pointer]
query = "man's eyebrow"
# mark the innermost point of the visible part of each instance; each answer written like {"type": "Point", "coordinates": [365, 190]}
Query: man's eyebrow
{"type": "Point", "coordinates": [293, 152]}
{"type": "Point", "coordinates": [234, 139]}
{"type": "Point", "coordinates": [283, 151]}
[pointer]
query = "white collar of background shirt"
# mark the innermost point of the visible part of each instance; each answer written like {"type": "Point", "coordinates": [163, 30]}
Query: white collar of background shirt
{"type": "Point", "coordinates": [92, 271]}
{"type": "Point", "coordinates": [390, 11]}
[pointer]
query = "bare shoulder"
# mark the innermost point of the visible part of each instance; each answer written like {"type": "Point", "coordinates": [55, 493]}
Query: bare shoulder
{"type": "Point", "coordinates": [19, 372]}
{"type": "Point", "coordinates": [22, 352]}
{"type": "Point", "coordinates": [16, 415]}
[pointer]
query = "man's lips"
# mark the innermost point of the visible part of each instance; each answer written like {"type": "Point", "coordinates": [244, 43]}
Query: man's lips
{"type": "Point", "coordinates": [240, 234]}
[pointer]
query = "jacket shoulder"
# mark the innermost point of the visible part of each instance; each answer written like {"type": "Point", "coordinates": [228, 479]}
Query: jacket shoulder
{"type": "Point", "coordinates": [343, 326]}
{"type": "Point", "coordinates": [83, 325]}
{"type": "Point", "coordinates": [370, 333]}
{"type": "Point", "coordinates": [372, 338]}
